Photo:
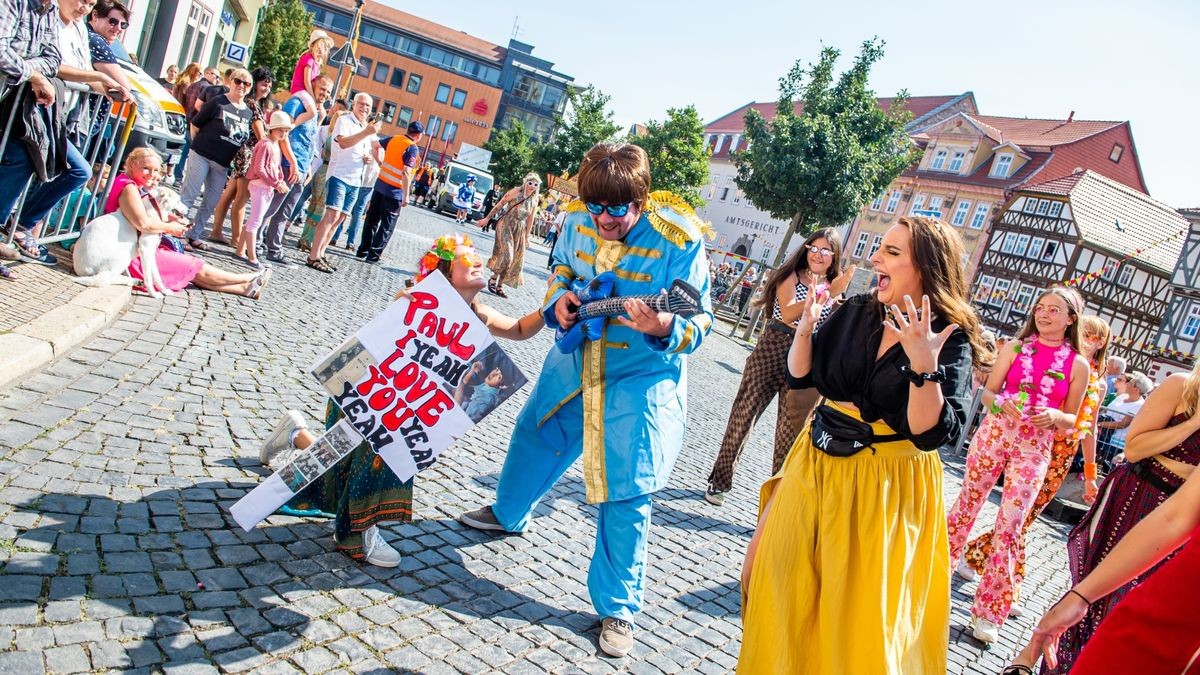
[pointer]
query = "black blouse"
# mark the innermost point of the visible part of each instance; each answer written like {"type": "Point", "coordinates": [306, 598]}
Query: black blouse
{"type": "Point", "coordinates": [844, 369]}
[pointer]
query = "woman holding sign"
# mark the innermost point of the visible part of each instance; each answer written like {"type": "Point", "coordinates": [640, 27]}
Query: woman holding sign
{"type": "Point", "coordinates": [360, 490]}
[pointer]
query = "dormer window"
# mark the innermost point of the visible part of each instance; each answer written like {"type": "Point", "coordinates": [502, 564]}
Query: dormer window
{"type": "Point", "coordinates": [957, 161]}
{"type": "Point", "coordinates": [1117, 151]}
{"type": "Point", "coordinates": [1003, 165]}
{"type": "Point", "coordinates": [939, 160]}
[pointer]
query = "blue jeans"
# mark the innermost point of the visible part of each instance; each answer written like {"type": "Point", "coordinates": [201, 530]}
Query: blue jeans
{"type": "Point", "coordinates": [340, 195]}
{"type": "Point", "coordinates": [356, 216]}
{"type": "Point", "coordinates": [16, 168]}
{"type": "Point", "coordinates": [187, 147]}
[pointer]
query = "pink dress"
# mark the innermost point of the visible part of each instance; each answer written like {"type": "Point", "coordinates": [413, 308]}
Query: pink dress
{"type": "Point", "coordinates": [305, 62]}
{"type": "Point", "coordinates": [176, 269]}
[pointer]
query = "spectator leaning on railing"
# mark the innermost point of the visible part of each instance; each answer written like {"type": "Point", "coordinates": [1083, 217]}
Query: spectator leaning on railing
{"type": "Point", "coordinates": [1124, 407]}
{"type": "Point", "coordinates": [29, 52]}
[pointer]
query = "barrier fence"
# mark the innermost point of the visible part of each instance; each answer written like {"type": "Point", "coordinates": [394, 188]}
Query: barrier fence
{"type": "Point", "coordinates": [102, 151]}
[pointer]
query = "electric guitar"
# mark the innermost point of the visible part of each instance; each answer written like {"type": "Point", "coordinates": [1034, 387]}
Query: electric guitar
{"type": "Point", "coordinates": [681, 298]}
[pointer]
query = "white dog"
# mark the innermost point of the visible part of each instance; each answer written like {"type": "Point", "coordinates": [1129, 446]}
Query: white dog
{"type": "Point", "coordinates": [108, 244]}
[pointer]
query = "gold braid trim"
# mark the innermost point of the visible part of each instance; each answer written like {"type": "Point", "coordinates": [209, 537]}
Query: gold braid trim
{"type": "Point", "coordinates": [576, 206]}
{"type": "Point", "coordinates": [675, 219]}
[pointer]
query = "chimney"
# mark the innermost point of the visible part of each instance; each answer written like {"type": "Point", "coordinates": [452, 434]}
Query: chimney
{"type": "Point", "coordinates": [1071, 116]}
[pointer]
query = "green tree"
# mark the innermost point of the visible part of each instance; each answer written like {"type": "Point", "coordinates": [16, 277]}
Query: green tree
{"type": "Point", "coordinates": [678, 155]}
{"type": "Point", "coordinates": [587, 122]}
{"type": "Point", "coordinates": [819, 165]}
{"type": "Point", "coordinates": [512, 154]}
{"type": "Point", "coordinates": [282, 38]}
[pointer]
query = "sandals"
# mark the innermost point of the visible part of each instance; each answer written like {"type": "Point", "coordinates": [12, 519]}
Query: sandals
{"type": "Point", "coordinates": [319, 265]}
{"type": "Point", "coordinates": [197, 245]}
{"type": "Point", "coordinates": [6, 273]}
{"type": "Point", "coordinates": [303, 245]}
{"type": "Point", "coordinates": [1017, 669]}
{"type": "Point", "coordinates": [328, 263]}
{"type": "Point", "coordinates": [257, 284]}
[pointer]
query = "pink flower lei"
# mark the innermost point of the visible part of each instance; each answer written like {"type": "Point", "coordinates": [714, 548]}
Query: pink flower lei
{"type": "Point", "coordinates": [1055, 372]}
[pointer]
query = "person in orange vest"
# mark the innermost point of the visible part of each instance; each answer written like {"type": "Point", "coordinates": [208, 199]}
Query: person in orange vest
{"type": "Point", "coordinates": [400, 156]}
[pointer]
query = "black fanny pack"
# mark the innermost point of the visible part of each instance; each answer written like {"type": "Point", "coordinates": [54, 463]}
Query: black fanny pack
{"type": "Point", "coordinates": [839, 435]}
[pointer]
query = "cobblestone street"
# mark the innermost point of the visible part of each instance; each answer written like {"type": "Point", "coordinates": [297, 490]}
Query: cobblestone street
{"type": "Point", "coordinates": [119, 464]}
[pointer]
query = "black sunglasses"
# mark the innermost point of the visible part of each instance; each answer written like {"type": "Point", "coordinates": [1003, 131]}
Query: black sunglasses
{"type": "Point", "coordinates": [243, 83]}
{"type": "Point", "coordinates": [118, 22]}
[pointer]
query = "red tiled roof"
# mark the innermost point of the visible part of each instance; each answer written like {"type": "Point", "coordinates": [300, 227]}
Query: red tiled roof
{"type": "Point", "coordinates": [982, 178]}
{"type": "Point", "coordinates": [394, 18]}
{"type": "Point", "coordinates": [1040, 133]}
{"type": "Point", "coordinates": [735, 122]}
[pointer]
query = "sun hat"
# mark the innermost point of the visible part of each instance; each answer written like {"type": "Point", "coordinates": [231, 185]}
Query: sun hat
{"type": "Point", "coordinates": [280, 120]}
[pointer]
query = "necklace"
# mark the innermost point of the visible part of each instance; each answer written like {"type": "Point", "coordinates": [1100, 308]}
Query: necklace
{"type": "Point", "coordinates": [1041, 396]}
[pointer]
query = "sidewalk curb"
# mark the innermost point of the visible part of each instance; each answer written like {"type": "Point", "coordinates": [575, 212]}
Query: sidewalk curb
{"type": "Point", "coordinates": [30, 347]}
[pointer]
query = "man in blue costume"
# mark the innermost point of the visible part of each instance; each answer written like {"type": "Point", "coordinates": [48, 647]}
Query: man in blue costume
{"type": "Point", "coordinates": [626, 390]}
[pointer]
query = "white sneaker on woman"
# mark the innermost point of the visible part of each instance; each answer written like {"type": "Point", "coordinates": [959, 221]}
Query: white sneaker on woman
{"type": "Point", "coordinates": [377, 551]}
{"type": "Point", "coordinates": [964, 571]}
{"type": "Point", "coordinates": [281, 436]}
{"type": "Point", "coordinates": [984, 630]}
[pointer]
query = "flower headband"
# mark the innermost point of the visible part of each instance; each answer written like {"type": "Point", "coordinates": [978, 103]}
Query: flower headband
{"type": "Point", "coordinates": [443, 248]}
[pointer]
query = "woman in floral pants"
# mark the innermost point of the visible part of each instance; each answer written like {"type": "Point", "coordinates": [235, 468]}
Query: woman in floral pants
{"type": "Point", "coordinates": [1036, 386]}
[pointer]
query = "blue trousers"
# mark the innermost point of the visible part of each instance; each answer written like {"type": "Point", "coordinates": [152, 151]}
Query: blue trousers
{"type": "Point", "coordinates": [536, 460]}
{"type": "Point", "coordinates": [15, 169]}
{"type": "Point", "coordinates": [355, 217]}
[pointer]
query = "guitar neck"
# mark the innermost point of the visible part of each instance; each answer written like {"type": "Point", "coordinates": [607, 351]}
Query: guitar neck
{"type": "Point", "coordinates": [616, 306]}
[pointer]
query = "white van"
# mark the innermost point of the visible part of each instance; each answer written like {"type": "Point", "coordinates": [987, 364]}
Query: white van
{"type": "Point", "coordinates": [456, 175]}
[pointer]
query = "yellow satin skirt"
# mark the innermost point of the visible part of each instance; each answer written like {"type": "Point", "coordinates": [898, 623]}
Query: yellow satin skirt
{"type": "Point", "coordinates": [852, 571]}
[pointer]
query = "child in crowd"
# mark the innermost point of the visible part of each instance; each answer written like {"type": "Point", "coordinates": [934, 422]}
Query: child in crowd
{"type": "Point", "coordinates": [464, 200]}
{"type": "Point", "coordinates": [266, 178]}
{"type": "Point", "coordinates": [310, 64]}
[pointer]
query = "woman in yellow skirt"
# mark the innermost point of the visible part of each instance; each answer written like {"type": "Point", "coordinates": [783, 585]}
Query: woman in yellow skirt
{"type": "Point", "coordinates": [849, 570]}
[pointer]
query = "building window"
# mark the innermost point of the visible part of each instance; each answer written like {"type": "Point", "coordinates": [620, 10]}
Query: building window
{"type": "Point", "coordinates": [939, 160]}
{"type": "Point", "coordinates": [860, 244]}
{"type": "Point", "coordinates": [1117, 151]}
{"type": "Point", "coordinates": [893, 201]}
{"type": "Point", "coordinates": [984, 290]}
{"type": "Point", "coordinates": [980, 217]}
{"type": "Point", "coordinates": [724, 193]}
{"type": "Point", "coordinates": [1022, 245]}
{"type": "Point", "coordinates": [960, 213]}
{"type": "Point", "coordinates": [877, 204]}
{"type": "Point", "coordinates": [1191, 325]}
{"type": "Point", "coordinates": [875, 245]}
{"type": "Point", "coordinates": [1056, 209]}
{"type": "Point", "coordinates": [1003, 165]}
{"type": "Point", "coordinates": [459, 100]}
{"type": "Point", "coordinates": [1009, 241]}
{"type": "Point", "coordinates": [414, 84]}
{"type": "Point", "coordinates": [712, 187]}
{"type": "Point", "coordinates": [737, 197]}
{"type": "Point", "coordinates": [404, 117]}
{"type": "Point", "coordinates": [443, 94]}
{"type": "Point", "coordinates": [364, 67]}
{"type": "Point", "coordinates": [1035, 247]}
{"type": "Point", "coordinates": [1126, 276]}
{"type": "Point", "coordinates": [433, 126]}
{"type": "Point", "coordinates": [389, 112]}
{"type": "Point", "coordinates": [956, 162]}
{"type": "Point", "coordinates": [449, 132]}
{"type": "Point", "coordinates": [1049, 251]}
{"type": "Point", "coordinates": [1031, 205]}
{"type": "Point", "coordinates": [917, 204]}
{"type": "Point", "coordinates": [397, 78]}
{"type": "Point", "coordinates": [1000, 292]}
{"type": "Point", "coordinates": [1043, 207]}
{"type": "Point", "coordinates": [935, 206]}
{"type": "Point", "coordinates": [1023, 298]}
{"type": "Point", "coordinates": [381, 72]}
{"type": "Point", "coordinates": [1108, 272]}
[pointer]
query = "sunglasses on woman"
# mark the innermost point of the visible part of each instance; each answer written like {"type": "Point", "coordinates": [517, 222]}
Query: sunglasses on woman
{"type": "Point", "coordinates": [616, 211]}
{"type": "Point", "coordinates": [112, 21]}
{"type": "Point", "coordinates": [821, 250]}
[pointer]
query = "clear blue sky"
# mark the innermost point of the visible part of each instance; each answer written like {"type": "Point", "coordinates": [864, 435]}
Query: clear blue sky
{"type": "Point", "coordinates": [1104, 59]}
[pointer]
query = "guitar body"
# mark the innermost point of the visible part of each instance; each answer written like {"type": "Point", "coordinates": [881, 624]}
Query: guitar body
{"type": "Point", "coordinates": [681, 298]}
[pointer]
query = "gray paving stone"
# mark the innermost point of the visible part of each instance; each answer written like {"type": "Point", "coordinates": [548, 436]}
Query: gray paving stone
{"type": "Point", "coordinates": [21, 663]}
{"type": "Point", "coordinates": [71, 659]}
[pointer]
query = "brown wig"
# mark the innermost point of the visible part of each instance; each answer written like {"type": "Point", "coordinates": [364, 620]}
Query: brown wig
{"type": "Point", "coordinates": [937, 249]}
{"type": "Point", "coordinates": [615, 173]}
{"type": "Point", "coordinates": [798, 262]}
{"type": "Point", "coordinates": [1091, 323]}
{"type": "Point", "coordinates": [1074, 303]}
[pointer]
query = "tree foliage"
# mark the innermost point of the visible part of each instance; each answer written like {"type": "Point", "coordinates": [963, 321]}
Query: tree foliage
{"type": "Point", "coordinates": [678, 155]}
{"type": "Point", "coordinates": [512, 154]}
{"type": "Point", "coordinates": [282, 38]}
{"type": "Point", "coordinates": [818, 166]}
{"type": "Point", "coordinates": [587, 122]}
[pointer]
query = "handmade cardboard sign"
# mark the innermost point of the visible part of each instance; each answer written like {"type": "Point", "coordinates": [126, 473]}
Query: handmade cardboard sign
{"type": "Point", "coordinates": [410, 383]}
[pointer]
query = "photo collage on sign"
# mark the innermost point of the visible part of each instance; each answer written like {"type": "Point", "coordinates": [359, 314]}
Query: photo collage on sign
{"type": "Point", "coordinates": [490, 380]}
{"type": "Point", "coordinates": [316, 459]}
{"type": "Point", "coordinates": [346, 365]}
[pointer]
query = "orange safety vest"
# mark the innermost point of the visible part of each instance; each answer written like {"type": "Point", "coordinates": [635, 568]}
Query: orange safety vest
{"type": "Point", "coordinates": [393, 169]}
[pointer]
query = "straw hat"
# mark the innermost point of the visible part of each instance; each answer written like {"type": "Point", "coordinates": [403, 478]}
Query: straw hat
{"type": "Point", "coordinates": [280, 120]}
{"type": "Point", "coordinates": [319, 34]}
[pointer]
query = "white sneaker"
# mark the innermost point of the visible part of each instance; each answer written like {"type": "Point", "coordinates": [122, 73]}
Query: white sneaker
{"type": "Point", "coordinates": [379, 552]}
{"type": "Point", "coordinates": [1015, 609]}
{"type": "Point", "coordinates": [281, 436]}
{"type": "Point", "coordinates": [964, 571]}
{"type": "Point", "coordinates": [984, 630]}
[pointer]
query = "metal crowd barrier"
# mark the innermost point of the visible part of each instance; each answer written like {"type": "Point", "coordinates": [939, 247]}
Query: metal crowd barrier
{"type": "Point", "coordinates": [104, 153]}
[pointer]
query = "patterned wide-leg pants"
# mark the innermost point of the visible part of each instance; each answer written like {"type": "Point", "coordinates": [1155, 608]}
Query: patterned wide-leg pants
{"type": "Point", "coordinates": [764, 378]}
{"type": "Point", "coordinates": [1022, 452]}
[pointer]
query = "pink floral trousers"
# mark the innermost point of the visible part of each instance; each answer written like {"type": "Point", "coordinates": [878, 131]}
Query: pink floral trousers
{"type": "Point", "coordinates": [1022, 452]}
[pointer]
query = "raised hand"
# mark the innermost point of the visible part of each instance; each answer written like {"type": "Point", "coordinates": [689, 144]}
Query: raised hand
{"type": "Point", "coordinates": [918, 340]}
{"type": "Point", "coordinates": [842, 281]}
{"type": "Point", "coordinates": [814, 304]}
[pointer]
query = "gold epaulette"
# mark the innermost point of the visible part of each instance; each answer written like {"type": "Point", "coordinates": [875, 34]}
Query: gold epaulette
{"type": "Point", "coordinates": [675, 219]}
{"type": "Point", "coordinates": [576, 206]}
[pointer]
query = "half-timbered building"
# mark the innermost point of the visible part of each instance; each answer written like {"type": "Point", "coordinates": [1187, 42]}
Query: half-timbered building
{"type": "Point", "coordinates": [1115, 244]}
{"type": "Point", "coordinates": [1178, 339]}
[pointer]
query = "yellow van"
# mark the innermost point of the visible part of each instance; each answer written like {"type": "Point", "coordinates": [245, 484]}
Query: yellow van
{"type": "Point", "coordinates": [160, 122]}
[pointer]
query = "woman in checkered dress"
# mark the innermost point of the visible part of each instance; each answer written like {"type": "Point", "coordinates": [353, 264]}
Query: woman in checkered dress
{"type": "Point", "coordinates": [816, 262]}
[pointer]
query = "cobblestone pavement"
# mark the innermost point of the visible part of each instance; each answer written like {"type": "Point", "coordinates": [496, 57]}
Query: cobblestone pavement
{"type": "Point", "coordinates": [119, 463]}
